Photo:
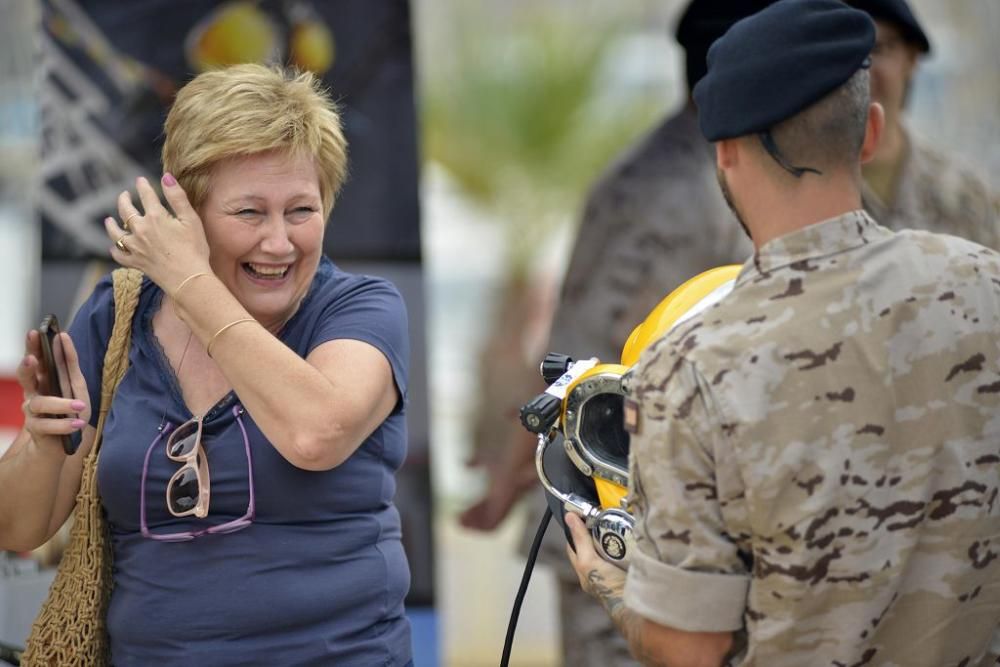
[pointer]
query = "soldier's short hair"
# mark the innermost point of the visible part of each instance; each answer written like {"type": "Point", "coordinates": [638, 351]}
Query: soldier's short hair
{"type": "Point", "coordinates": [827, 135]}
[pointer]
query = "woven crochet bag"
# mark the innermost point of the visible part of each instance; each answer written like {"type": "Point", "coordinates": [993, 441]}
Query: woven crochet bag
{"type": "Point", "coordinates": [70, 629]}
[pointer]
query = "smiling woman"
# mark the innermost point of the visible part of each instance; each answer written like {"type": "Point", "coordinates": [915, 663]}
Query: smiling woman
{"type": "Point", "coordinates": [261, 420]}
{"type": "Point", "coordinates": [263, 219]}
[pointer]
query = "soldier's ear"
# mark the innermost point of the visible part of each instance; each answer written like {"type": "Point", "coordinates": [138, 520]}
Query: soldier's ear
{"type": "Point", "coordinates": [727, 153]}
{"type": "Point", "coordinates": [873, 131]}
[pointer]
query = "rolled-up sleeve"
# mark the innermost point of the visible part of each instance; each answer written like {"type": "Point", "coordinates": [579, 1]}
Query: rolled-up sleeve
{"type": "Point", "coordinates": [685, 599]}
{"type": "Point", "coordinates": [686, 570]}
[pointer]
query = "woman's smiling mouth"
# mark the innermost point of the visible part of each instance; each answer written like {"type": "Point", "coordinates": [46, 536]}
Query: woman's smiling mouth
{"type": "Point", "coordinates": [266, 271]}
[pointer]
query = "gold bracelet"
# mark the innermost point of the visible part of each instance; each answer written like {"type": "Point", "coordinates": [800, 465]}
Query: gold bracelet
{"type": "Point", "coordinates": [186, 281]}
{"type": "Point", "coordinates": [208, 348]}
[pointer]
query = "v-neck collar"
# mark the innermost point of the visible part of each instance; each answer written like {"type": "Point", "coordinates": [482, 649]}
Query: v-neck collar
{"type": "Point", "coordinates": [166, 372]}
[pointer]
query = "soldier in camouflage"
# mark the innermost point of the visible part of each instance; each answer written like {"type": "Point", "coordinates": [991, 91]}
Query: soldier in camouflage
{"type": "Point", "coordinates": [815, 465]}
{"type": "Point", "coordinates": [909, 182]}
{"type": "Point", "coordinates": [833, 486]}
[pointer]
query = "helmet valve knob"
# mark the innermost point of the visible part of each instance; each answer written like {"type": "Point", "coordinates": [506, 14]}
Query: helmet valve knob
{"type": "Point", "coordinates": [553, 366]}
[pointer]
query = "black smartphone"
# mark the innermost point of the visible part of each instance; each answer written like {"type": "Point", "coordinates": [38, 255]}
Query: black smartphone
{"type": "Point", "coordinates": [54, 383]}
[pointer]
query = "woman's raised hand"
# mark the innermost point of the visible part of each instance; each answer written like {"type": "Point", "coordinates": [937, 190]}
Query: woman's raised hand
{"type": "Point", "coordinates": [167, 247]}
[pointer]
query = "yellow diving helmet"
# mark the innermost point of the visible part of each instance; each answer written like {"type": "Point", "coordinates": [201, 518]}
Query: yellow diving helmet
{"type": "Point", "coordinates": [584, 404]}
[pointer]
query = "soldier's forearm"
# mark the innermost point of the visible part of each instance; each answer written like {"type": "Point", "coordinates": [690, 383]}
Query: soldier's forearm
{"type": "Point", "coordinates": [612, 596]}
{"type": "Point", "coordinates": [650, 643]}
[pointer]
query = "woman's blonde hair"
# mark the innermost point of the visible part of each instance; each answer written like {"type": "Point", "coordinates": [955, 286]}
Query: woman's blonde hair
{"type": "Point", "coordinates": [248, 109]}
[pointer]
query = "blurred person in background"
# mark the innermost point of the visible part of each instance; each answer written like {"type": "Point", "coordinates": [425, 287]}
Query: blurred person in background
{"type": "Point", "coordinates": [655, 219]}
{"type": "Point", "coordinates": [814, 458]}
{"type": "Point", "coordinates": [910, 183]}
{"type": "Point", "coordinates": [248, 460]}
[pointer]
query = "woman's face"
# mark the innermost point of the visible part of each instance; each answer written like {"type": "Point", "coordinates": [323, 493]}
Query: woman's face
{"type": "Point", "coordinates": [264, 223]}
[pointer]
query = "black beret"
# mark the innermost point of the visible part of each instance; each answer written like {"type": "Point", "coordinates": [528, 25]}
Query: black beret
{"type": "Point", "coordinates": [774, 64]}
{"type": "Point", "coordinates": [899, 13]}
{"type": "Point", "coordinates": [705, 21]}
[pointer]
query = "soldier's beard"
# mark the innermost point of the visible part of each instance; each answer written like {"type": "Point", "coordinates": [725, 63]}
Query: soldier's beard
{"type": "Point", "coordinates": [728, 196]}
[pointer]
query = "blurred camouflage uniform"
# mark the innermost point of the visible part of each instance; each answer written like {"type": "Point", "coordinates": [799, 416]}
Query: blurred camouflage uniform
{"type": "Point", "coordinates": [655, 220]}
{"type": "Point", "coordinates": [817, 455]}
{"type": "Point", "coordinates": [935, 193]}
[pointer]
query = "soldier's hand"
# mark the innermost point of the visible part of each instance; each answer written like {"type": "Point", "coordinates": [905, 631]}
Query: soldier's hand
{"type": "Point", "coordinates": [598, 577]}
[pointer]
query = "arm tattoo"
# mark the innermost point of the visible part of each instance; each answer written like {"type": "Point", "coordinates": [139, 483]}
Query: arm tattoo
{"type": "Point", "coordinates": [628, 623]}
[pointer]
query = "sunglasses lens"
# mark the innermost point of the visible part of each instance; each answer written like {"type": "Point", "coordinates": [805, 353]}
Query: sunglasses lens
{"type": "Point", "coordinates": [183, 491]}
{"type": "Point", "coordinates": [183, 440]}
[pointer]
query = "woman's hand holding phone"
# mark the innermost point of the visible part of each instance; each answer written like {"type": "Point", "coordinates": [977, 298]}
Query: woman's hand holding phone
{"type": "Point", "coordinates": [56, 401]}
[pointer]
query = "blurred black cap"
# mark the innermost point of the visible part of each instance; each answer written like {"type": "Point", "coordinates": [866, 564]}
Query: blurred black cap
{"type": "Point", "coordinates": [703, 22]}
{"type": "Point", "coordinates": [899, 13]}
{"type": "Point", "coordinates": [776, 63]}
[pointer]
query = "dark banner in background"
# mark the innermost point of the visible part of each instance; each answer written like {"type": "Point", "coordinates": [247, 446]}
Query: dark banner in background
{"type": "Point", "coordinates": [113, 67]}
{"type": "Point", "coordinates": [111, 70]}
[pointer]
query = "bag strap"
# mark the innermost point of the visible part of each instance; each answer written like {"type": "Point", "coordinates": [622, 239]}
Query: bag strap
{"type": "Point", "coordinates": [127, 285]}
{"type": "Point", "coordinates": [70, 628]}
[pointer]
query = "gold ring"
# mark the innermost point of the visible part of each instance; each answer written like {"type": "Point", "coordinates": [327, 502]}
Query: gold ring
{"type": "Point", "coordinates": [121, 244]}
{"type": "Point", "coordinates": [128, 220]}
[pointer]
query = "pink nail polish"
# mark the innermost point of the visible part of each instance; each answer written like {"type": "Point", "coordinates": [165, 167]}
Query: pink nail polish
{"type": "Point", "coordinates": [77, 405]}
{"type": "Point", "coordinates": [77, 423]}
{"type": "Point", "coordinates": [169, 180]}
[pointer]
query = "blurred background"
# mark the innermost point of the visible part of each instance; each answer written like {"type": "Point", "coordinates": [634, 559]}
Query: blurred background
{"type": "Point", "coordinates": [476, 129]}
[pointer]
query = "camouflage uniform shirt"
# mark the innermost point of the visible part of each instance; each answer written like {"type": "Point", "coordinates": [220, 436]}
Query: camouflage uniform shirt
{"type": "Point", "coordinates": [816, 460]}
{"type": "Point", "coordinates": [936, 193]}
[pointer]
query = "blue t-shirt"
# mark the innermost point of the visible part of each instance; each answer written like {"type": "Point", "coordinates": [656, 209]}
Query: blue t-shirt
{"type": "Point", "coordinates": [320, 576]}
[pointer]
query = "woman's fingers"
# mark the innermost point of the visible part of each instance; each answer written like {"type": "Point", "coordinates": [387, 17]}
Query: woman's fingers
{"type": "Point", "coordinates": [33, 343]}
{"type": "Point", "coordinates": [76, 379]}
{"type": "Point", "coordinates": [151, 203]}
{"type": "Point", "coordinates": [53, 415]}
{"type": "Point", "coordinates": [120, 250]}
{"type": "Point", "coordinates": [28, 370]}
{"type": "Point", "coordinates": [114, 231]}
{"type": "Point", "coordinates": [147, 195]}
{"type": "Point", "coordinates": [126, 208]}
{"type": "Point", "coordinates": [27, 375]}
{"type": "Point", "coordinates": [165, 247]}
{"type": "Point", "coordinates": [53, 406]}
{"type": "Point", "coordinates": [38, 425]}
{"type": "Point", "coordinates": [177, 198]}
{"type": "Point", "coordinates": [59, 354]}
